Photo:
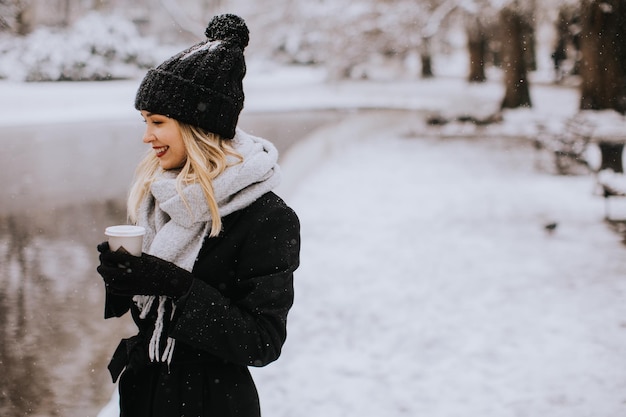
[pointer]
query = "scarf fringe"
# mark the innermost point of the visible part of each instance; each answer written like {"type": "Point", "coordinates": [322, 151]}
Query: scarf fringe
{"type": "Point", "coordinates": [144, 304]}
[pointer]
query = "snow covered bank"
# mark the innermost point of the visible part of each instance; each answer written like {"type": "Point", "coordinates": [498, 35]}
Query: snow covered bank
{"type": "Point", "coordinates": [274, 89]}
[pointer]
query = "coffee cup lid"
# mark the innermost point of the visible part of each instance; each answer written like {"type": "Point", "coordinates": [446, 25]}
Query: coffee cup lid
{"type": "Point", "coordinates": [125, 230]}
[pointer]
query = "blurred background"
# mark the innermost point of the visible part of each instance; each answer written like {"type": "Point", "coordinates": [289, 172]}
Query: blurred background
{"type": "Point", "coordinates": [60, 40]}
{"type": "Point", "coordinates": [54, 346]}
{"type": "Point", "coordinates": [109, 39]}
{"type": "Point", "coordinates": [368, 39]}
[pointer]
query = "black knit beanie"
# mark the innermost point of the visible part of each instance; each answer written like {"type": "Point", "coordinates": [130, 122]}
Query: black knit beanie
{"type": "Point", "coordinates": [202, 86]}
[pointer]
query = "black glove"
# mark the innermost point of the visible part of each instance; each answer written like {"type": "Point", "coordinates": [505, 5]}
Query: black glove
{"type": "Point", "coordinates": [125, 274]}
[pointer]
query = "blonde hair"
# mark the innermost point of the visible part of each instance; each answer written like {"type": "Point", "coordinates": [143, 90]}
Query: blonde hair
{"type": "Point", "coordinates": [207, 157]}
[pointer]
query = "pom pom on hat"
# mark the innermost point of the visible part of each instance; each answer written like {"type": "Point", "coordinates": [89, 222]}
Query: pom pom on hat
{"type": "Point", "coordinates": [228, 27]}
{"type": "Point", "coordinates": [203, 85]}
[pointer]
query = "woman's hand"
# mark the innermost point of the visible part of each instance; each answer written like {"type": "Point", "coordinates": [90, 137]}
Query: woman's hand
{"type": "Point", "coordinates": [125, 274]}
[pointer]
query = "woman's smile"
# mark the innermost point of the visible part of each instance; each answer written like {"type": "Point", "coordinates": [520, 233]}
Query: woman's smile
{"type": "Point", "coordinates": [160, 151]}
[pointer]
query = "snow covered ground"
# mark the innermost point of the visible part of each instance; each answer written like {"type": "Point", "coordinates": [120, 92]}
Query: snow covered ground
{"type": "Point", "coordinates": [429, 285]}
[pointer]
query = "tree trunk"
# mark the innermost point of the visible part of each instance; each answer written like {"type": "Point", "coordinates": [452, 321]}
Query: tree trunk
{"type": "Point", "coordinates": [517, 92]}
{"type": "Point", "coordinates": [602, 68]}
{"type": "Point", "coordinates": [427, 67]}
{"type": "Point", "coordinates": [426, 58]}
{"type": "Point", "coordinates": [477, 46]}
{"type": "Point", "coordinates": [528, 43]}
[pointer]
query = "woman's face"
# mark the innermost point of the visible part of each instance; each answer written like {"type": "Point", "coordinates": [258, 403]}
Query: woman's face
{"type": "Point", "coordinates": [163, 134]}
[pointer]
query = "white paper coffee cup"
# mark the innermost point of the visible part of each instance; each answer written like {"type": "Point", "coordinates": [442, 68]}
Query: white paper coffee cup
{"type": "Point", "coordinates": [126, 236]}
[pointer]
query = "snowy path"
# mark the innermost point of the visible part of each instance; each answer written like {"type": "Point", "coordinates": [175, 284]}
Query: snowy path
{"type": "Point", "coordinates": [429, 287]}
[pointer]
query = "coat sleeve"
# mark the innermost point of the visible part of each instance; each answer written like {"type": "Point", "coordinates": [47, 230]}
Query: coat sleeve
{"type": "Point", "coordinates": [248, 330]}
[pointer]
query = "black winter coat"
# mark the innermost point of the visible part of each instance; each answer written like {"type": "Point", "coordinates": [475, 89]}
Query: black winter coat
{"type": "Point", "coordinates": [233, 316]}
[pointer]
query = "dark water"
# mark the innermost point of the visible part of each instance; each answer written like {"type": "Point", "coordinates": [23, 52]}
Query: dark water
{"type": "Point", "coordinates": [53, 339]}
{"type": "Point", "coordinates": [61, 186]}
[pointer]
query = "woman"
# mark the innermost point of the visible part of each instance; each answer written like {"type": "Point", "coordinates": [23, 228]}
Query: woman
{"type": "Point", "coordinates": [211, 292]}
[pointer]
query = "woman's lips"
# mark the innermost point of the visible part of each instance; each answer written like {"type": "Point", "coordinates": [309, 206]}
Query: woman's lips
{"type": "Point", "coordinates": [161, 151]}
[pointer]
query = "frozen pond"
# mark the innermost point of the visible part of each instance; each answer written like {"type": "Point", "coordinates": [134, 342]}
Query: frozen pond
{"type": "Point", "coordinates": [62, 185]}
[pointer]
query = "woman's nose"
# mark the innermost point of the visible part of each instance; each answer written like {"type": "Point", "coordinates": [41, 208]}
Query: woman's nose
{"type": "Point", "coordinates": [148, 136]}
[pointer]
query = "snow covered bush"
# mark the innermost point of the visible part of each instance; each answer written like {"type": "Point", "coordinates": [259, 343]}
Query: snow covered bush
{"type": "Point", "coordinates": [96, 47]}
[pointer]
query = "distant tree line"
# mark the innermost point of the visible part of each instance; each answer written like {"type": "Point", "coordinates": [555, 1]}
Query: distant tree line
{"type": "Point", "coordinates": [354, 38]}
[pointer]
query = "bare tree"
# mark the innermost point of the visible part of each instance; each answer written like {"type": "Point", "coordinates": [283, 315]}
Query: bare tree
{"type": "Point", "coordinates": [603, 65]}
{"type": "Point", "coordinates": [483, 41]}
{"type": "Point", "coordinates": [514, 25]}
{"type": "Point", "coordinates": [439, 12]}
{"type": "Point", "coordinates": [603, 48]}
{"type": "Point", "coordinates": [477, 44]}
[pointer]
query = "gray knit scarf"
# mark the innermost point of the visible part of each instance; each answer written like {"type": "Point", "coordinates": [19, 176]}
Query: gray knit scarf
{"type": "Point", "coordinates": [175, 231]}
